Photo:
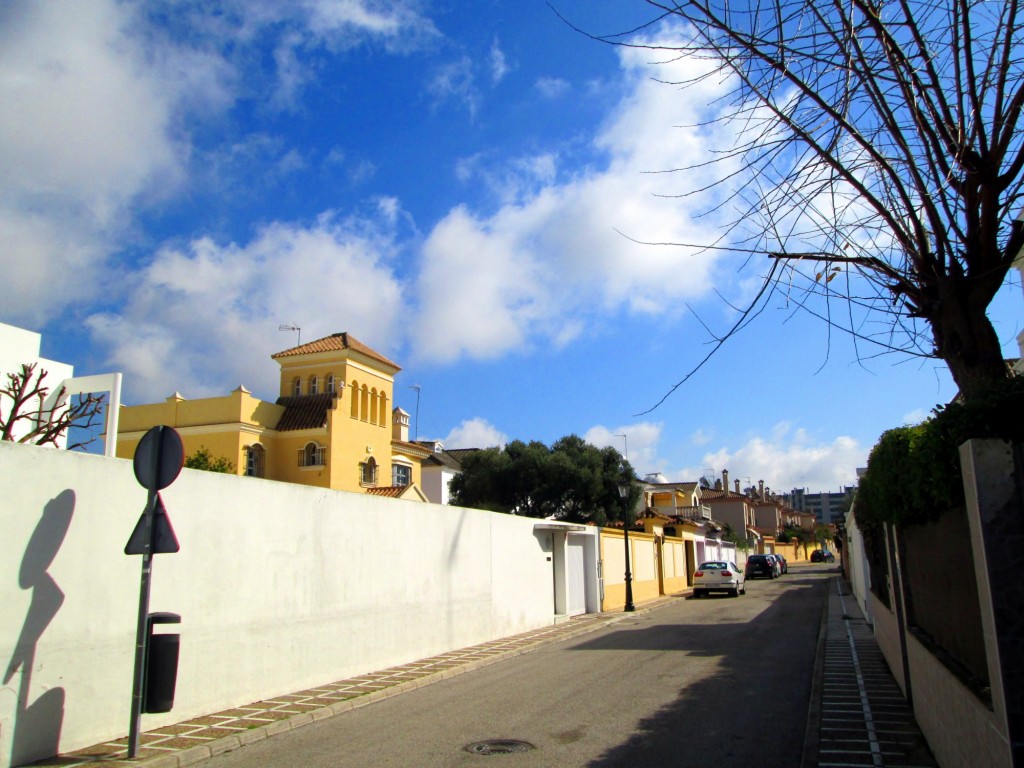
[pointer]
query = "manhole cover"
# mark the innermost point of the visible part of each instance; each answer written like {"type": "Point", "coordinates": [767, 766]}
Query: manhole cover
{"type": "Point", "coordinates": [498, 747]}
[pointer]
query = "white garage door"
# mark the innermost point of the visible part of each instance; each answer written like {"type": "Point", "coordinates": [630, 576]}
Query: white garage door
{"type": "Point", "coordinates": [577, 579]}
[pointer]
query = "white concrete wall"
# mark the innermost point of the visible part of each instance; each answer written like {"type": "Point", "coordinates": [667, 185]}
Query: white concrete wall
{"type": "Point", "coordinates": [959, 729]}
{"type": "Point", "coordinates": [856, 560]}
{"type": "Point", "coordinates": [280, 587]}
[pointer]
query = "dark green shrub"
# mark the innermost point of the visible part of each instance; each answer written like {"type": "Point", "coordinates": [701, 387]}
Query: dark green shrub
{"type": "Point", "coordinates": [913, 473]}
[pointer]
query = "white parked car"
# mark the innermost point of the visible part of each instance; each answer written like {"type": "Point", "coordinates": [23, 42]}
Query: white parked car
{"type": "Point", "coordinates": [718, 576]}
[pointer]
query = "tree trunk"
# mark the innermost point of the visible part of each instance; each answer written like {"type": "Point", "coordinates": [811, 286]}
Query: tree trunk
{"type": "Point", "coordinates": [966, 341]}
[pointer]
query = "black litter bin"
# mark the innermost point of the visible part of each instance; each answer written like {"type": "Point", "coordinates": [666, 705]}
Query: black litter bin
{"type": "Point", "coordinates": [161, 665]}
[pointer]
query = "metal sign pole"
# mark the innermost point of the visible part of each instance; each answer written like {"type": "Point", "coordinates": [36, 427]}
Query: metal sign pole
{"type": "Point", "coordinates": [141, 629]}
{"type": "Point", "coordinates": [158, 460]}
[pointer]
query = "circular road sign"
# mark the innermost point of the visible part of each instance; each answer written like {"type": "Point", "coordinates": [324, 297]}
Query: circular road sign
{"type": "Point", "coordinates": [158, 458]}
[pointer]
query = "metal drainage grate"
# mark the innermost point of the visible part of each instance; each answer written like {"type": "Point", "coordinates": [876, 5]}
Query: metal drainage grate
{"type": "Point", "coordinates": [498, 747]}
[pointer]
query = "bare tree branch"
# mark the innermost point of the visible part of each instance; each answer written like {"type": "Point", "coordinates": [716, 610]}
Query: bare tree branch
{"type": "Point", "coordinates": [25, 417]}
{"type": "Point", "coordinates": [880, 142]}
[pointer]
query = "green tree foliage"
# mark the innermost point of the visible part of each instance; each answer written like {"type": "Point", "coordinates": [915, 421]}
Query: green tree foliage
{"type": "Point", "coordinates": [203, 459]}
{"type": "Point", "coordinates": [913, 472]}
{"type": "Point", "coordinates": [572, 481]}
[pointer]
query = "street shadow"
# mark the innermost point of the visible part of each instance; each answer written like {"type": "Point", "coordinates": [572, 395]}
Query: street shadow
{"type": "Point", "coordinates": [38, 723]}
{"type": "Point", "coordinates": [738, 712]}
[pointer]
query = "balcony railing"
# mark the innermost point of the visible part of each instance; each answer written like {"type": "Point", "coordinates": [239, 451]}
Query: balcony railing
{"type": "Point", "coordinates": [701, 513]}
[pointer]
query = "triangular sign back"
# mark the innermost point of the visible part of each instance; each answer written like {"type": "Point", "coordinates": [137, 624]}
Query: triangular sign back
{"type": "Point", "coordinates": [164, 540]}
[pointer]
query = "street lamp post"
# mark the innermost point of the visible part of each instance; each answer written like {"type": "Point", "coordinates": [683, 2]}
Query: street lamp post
{"type": "Point", "coordinates": [624, 489]}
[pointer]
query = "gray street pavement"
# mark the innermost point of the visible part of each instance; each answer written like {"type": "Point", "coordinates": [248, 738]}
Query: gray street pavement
{"type": "Point", "coordinates": [787, 675]}
{"type": "Point", "coordinates": [692, 683]}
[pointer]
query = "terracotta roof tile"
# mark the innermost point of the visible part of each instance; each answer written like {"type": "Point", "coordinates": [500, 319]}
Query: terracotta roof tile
{"type": "Point", "coordinates": [304, 411]}
{"type": "Point", "coordinates": [391, 491]}
{"type": "Point", "coordinates": [336, 342]}
{"type": "Point", "coordinates": [414, 449]}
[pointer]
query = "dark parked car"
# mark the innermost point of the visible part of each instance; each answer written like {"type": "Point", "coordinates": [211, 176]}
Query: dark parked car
{"type": "Point", "coordinates": [760, 565]}
{"type": "Point", "coordinates": [822, 556]}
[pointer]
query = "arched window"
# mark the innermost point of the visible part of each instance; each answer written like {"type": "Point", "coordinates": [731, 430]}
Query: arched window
{"type": "Point", "coordinates": [355, 400]}
{"type": "Point", "coordinates": [297, 386]}
{"type": "Point", "coordinates": [255, 460]}
{"type": "Point", "coordinates": [312, 455]}
{"type": "Point", "coordinates": [383, 408]}
{"type": "Point", "coordinates": [364, 404]}
{"type": "Point", "coordinates": [373, 405]}
{"type": "Point", "coordinates": [330, 384]}
{"type": "Point", "coordinates": [368, 472]}
{"type": "Point", "coordinates": [314, 385]}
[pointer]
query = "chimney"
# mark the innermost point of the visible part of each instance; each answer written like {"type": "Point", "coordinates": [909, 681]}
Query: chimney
{"type": "Point", "coordinates": [760, 488]}
{"type": "Point", "coordinates": [725, 481]}
{"type": "Point", "coordinates": [400, 425]}
{"type": "Point", "coordinates": [737, 485]}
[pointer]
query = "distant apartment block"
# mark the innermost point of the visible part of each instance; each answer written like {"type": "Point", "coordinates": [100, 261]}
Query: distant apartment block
{"type": "Point", "coordinates": [827, 507]}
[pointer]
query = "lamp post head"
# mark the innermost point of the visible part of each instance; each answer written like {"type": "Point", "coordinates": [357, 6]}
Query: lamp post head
{"type": "Point", "coordinates": [624, 490]}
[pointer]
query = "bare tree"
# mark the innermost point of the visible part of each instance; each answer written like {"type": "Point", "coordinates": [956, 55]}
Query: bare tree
{"type": "Point", "coordinates": [878, 165]}
{"type": "Point", "coordinates": [41, 423]}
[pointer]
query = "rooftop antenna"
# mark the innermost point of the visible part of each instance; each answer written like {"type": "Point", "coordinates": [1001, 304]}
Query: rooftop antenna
{"type": "Point", "coordinates": [417, 387]}
{"type": "Point", "coordinates": [292, 327]}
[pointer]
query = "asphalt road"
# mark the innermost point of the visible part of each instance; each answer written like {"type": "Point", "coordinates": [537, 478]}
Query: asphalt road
{"type": "Point", "coordinates": [714, 681]}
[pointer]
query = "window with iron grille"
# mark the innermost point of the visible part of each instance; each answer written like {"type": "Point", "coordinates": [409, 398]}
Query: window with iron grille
{"type": "Point", "coordinates": [255, 460]}
{"type": "Point", "coordinates": [312, 455]}
{"type": "Point", "coordinates": [401, 474]}
{"type": "Point", "coordinates": [368, 472]}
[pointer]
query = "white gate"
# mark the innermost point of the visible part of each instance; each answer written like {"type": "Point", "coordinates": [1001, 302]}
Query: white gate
{"type": "Point", "coordinates": [577, 577]}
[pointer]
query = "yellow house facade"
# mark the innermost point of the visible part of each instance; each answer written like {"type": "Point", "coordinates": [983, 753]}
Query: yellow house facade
{"type": "Point", "coordinates": [332, 426]}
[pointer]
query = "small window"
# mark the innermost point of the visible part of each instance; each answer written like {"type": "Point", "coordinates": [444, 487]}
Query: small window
{"type": "Point", "coordinates": [401, 474]}
{"type": "Point", "coordinates": [255, 460]}
{"type": "Point", "coordinates": [297, 387]}
{"type": "Point", "coordinates": [330, 384]}
{"type": "Point", "coordinates": [368, 472]}
{"type": "Point", "coordinates": [312, 455]}
{"type": "Point", "coordinates": [314, 385]}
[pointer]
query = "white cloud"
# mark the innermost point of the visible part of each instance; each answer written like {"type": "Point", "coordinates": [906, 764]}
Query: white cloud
{"type": "Point", "coordinates": [916, 416]}
{"type": "Point", "coordinates": [475, 433]}
{"type": "Point", "coordinates": [640, 445]}
{"type": "Point", "coordinates": [788, 458]}
{"type": "Point", "coordinates": [552, 87]}
{"type": "Point", "coordinates": [455, 81]}
{"type": "Point", "coordinates": [208, 314]}
{"type": "Point", "coordinates": [75, 160]}
{"type": "Point", "coordinates": [700, 437]}
{"type": "Point", "coordinates": [100, 101]}
{"type": "Point", "coordinates": [499, 65]}
{"type": "Point", "coordinates": [553, 256]}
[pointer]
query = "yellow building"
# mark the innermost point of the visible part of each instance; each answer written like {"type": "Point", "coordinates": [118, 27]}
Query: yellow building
{"type": "Point", "coordinates": [332, 426]}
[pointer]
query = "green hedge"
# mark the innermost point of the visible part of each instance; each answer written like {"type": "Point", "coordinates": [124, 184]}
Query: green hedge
{"type": "Point", "coordinates": [913, 473]}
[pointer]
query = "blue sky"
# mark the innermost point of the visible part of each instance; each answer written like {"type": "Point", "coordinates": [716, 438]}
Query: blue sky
{"type": "Point", "coordinates": [460, 185]}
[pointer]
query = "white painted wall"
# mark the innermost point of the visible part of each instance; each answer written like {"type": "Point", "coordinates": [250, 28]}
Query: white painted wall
{"type": "Point", "coordinates": [857, 564]}
{"type": "Point", "coordinates": [280, 587]}
{"type": "Point", "coordinates": [435, 482]}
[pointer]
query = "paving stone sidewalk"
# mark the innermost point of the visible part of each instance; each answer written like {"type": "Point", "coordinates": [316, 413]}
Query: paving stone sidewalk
{"type": "Point", "coordinates": [863, 718]}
